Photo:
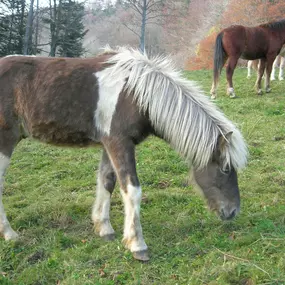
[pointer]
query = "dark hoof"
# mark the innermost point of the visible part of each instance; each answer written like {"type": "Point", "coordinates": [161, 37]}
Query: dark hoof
{"type": "Point", "coordinates": [109, 237]}
{"type": "Point", "coordinates": [141, 255]}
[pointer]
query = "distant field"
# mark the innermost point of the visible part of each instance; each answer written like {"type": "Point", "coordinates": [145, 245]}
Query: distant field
{"type": "Point", "coordinates": [49, 194]}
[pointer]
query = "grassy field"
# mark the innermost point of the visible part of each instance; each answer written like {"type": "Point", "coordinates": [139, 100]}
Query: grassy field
{"type": "Point", "coordinates": [49, 194]}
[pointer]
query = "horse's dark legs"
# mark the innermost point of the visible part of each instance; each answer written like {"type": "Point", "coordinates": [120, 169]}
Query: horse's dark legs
{"type": "Point", "coordinates": [214, 87]}
{"type": "Point", "coordinates": [8, 139]}
{"type": "Point", "coordinates": [230, 71]}
{"type": "Point", "coordinates": [122, 155]}
{"type": "Point", "coordinates": [269, 64]}
{"type": "Point", "coordinates": [261, 68]}
{"type": "Point", "coordinates": [106, 181]}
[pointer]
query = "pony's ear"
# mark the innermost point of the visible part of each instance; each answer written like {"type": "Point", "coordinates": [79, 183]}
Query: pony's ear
{"type": "Point", "coordinates": [223, 140]}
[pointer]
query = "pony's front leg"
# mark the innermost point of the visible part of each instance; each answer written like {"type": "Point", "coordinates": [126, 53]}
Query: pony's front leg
{"type": "Point", "coordinates": [106, 181]}
{"type": "Point", "coordinates": [261, 68]}
{"type": "Point", "coordinates": [122, 155]}
{"type": "Point", "coordinates": [5, 228]}
{"type": "Point", "coordinates": [230, 71]}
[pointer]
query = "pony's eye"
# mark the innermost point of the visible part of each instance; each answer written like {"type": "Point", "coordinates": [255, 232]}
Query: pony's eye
{"type": "Point", "coordinates": [225, 170]}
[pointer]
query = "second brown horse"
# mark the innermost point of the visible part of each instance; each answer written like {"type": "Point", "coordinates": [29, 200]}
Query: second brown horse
{"type": "Point", "coordinates": [262, 42]}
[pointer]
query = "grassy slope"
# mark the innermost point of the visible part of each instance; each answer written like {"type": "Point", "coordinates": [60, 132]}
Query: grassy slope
{"type": "Point", "coordinates": [49, 193]}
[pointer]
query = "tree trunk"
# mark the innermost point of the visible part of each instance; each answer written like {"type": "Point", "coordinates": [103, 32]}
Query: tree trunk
{"type": "Point", "coordinates": [11, 29]}
{"type": "Point", "coordinates": [28, 34]}
{"type": "Point", "coordinates": [142, 36]}
{"type": "Point", "coordinates": [67, 26]}
{"type": "Point", "coordinates": [55, 26]}
{"type": "Point", "coordinates": [35, 48]}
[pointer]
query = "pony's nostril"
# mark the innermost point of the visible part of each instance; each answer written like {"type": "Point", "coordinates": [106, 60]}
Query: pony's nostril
{"type": "Point", "coordinates": [227, 215]}
{"type": "Point", "coordinates": [233, 214]}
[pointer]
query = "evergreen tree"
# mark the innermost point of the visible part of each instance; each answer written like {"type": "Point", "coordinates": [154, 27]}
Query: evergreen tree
{"type": "Point", "coordinates": [12, 26]}
{"type": "Point", "coordinates": [72, 29]}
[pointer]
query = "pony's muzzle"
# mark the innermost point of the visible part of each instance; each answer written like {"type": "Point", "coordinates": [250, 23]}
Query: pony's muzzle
{"type": "Point", "coordinates": [228, 213]}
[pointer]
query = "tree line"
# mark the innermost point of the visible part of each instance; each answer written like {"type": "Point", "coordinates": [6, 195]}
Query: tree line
{"type": "Point", "coordinates": [21, 22]}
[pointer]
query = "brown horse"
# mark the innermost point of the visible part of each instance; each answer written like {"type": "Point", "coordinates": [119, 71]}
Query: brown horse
{"type": "Point", "coordinates": [262, 42]}
{"type": "Point", "coordinates": [117, 99]}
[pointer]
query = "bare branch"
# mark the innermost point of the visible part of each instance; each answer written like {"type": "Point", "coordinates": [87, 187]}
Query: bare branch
{"type": "Point", "coordinates": [136, 8]}
{"type": "Point", "coordinates": [132, 30]}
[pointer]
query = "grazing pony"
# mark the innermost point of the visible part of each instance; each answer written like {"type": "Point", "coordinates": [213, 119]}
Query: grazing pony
{"type": "Point", "coordinates": [262, 42]}
{"type": "Point", "coordinates": [278, 62]}
{"type": "Point", "coordinates": [117, 99]}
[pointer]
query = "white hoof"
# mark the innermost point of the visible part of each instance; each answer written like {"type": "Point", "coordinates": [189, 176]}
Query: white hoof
{"type": "Point", "coordinates": [259, 92]}
{"type": "Point", "coordinates": [11, 235]}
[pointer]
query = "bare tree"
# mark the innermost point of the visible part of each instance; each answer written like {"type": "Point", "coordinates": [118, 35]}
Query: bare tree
{"type": "Point", "coordinates": [28, 34]}
{"type": "Point", "coordinates": [36, 29]}
{"type": "Point", "coordinates": [141, 13]}
{"type": "Point", "coordinates": [55, 19]}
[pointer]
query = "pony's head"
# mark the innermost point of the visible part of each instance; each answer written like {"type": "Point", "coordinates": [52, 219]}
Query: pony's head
{"type": "Point", "coordinates": [218, 182]}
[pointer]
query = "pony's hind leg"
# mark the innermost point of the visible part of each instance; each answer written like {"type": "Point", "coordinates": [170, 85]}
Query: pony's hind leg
{"type": "Point", "coordinates": [8, 140]}
{"type": "Point", "coordinates": [213, 91]}
{"type": "Point", "coordinates": [122, 155]}
{"type": "Point", "coordinates": [230, 71]}
{"type": "Point", "coordinates": [106, 181]}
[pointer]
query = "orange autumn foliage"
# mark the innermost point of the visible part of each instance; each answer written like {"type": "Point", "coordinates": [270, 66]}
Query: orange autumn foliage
{"type": "Point", "coordinates": [204, 55]}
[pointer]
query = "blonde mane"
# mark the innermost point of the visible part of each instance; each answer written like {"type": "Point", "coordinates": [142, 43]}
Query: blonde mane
{"type": "Point", "coordinates": [178, 110]}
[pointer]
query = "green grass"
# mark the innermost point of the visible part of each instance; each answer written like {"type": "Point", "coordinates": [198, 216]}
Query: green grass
{"type": "Point", "coordinates": [49, 193]}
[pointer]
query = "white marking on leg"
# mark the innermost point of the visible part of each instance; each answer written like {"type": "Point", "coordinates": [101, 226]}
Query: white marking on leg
{"type": "Point", "coordinates": [249, 64]}
{"type": "Point", "coordinates": [101, 210]}
{"type": "Point", "coordinates": [5, 228]}
{"type": "Point", "coordinates": [274, 66]}
{"type": "Point", "coordinates": [231, 92]}
{"type": "Point", "coordinates": [281, 70]}
{"type": "Point", "coordinates": [213, 91]}
{"type": "Point", "coordinates": [133, 236]}
{"type": "Point", "coordinates": [109, 91]}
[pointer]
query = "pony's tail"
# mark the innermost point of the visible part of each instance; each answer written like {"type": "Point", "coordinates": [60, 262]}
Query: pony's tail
{"type": "Point", "coordinates": [219, 57]}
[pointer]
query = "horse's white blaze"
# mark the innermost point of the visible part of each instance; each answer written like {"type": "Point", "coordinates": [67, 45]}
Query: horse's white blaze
{"type": "Point", "coordinates": [132, 228]}
{"type": "Point", "coordinates": [109, 92]}
{"type": "Point", "coordinates": [101, 210]}
{"type": "Point", "coordinates": [5, 228]}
